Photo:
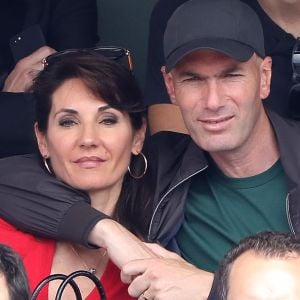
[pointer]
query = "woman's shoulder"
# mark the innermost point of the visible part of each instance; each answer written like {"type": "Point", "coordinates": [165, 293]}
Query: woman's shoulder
{"type": "Point", "coordinates": [22, 242]}
{"type": "Point", "coordinates": [29, 162]}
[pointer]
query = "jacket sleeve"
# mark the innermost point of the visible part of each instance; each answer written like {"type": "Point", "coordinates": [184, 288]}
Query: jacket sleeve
{"type": "Point", "coordinates": [37, 202]}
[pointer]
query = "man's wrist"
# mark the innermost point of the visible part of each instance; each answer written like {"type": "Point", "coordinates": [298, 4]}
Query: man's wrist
{"type": "Point", "coordinates": [100, 233]}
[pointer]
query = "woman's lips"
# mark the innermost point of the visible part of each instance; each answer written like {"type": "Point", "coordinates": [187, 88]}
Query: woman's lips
{"type": "Point", "coordinates": [88, 162]}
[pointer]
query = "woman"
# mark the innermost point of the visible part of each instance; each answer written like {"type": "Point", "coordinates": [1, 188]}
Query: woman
{"type": "Point", "coordinates": [90, 126]}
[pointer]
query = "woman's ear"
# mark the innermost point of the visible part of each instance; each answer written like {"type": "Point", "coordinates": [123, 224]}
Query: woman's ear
{"type": "Point", "coordinates": [139, 138]}
{"type": "Point", "coordinates": [41, 140]}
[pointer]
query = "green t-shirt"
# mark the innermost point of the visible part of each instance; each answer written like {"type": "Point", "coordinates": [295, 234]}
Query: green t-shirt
{"type": "Point", "coordinates": [220, 210]}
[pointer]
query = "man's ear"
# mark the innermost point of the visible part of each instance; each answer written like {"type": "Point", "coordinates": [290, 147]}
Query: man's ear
{"type": "Point", "coordinates": [41, 140]}
{"type": "Point", "coordinates": [168, 78]}
{"type": "Point", "coordinates": [266, 75]}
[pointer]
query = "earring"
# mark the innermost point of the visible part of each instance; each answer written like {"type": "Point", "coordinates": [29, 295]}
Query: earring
{"type": "Point", "coordinates": [145, 168]}
{"type": "Point", "coordinates": [46, 164]}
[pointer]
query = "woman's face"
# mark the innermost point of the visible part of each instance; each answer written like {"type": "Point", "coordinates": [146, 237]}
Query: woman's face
{"type": "Point", "coordinates": [88, 143]}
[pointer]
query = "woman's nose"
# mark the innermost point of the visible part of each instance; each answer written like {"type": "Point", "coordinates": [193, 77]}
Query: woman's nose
{"type": "Point", "coordinates": [89, 137]}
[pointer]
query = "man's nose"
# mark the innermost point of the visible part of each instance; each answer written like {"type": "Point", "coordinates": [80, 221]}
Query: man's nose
{"type": "Point", "coordinates": [213, 98]}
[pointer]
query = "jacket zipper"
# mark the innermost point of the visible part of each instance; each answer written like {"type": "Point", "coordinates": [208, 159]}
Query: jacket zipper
{"type": "Point", "coordinates": [167, 193]}
{"type": "Point", "coordinates": [288, 213]}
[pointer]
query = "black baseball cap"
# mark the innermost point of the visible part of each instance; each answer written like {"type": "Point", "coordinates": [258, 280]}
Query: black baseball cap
{"type": "Point", "coordinates": [227, 26]}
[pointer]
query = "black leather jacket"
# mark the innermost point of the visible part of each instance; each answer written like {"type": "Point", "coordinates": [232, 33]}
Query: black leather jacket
{"type": "Point", "coordinates": [178, 159]}
{"type": "Point", "coordinates": [37, 202]}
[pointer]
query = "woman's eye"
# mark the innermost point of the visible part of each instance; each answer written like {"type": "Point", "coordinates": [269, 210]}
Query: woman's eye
{"type": "Point", "coordinates": [109, 121]}
{"type": "Point", "coordinates": [67, 122]}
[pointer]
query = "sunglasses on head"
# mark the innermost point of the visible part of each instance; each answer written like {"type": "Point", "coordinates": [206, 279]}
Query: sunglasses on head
{"type": "Point", "coordinates": [294, 96]}
{"type": "Point", "coordinates": [112, 52]}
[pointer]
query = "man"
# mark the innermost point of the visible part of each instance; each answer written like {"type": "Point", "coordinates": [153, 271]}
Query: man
{"type": "Point", "coordinates": [281, 26]}
{"type": "Point", "coordinates": [217, 73]}
{"type": "Point", "coordinates": [264, 266]}
{"type": "Point", "coordinates": [235, 174]}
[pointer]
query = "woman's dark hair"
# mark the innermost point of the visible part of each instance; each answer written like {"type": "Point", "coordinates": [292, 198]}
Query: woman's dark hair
{"type": "Point", "coordinates": [12, 268]}
{"type": "Point", "coordinates": [104, 78]}
{"type": "Point", "coordinates": [113, 82]}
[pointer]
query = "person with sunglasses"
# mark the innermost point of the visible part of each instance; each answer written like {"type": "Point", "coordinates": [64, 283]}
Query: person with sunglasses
{"type": "Point", "coordinates": [90, 131]}
{"type": "Point", "coordinates": [29, 31]}
{"type": "Point", "coordinates": [280, 21]}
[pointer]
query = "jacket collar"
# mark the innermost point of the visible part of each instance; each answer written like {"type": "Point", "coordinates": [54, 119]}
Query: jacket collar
{"type": "Point", "coordinates": [287, 133]}
{"type": "Point", "coordinates": [288, 137]}
{"type": "Point", "coordinates": [193, 162]}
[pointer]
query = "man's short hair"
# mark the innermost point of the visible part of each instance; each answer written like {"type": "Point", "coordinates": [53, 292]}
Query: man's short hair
{"type": "Point", "coordinates": [266, 244]}
{"type": "Point", "coordinates": [12, 268]}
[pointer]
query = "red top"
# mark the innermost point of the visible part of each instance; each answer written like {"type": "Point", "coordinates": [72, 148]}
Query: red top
{"type": "Point", "coordinates": [37, 255]}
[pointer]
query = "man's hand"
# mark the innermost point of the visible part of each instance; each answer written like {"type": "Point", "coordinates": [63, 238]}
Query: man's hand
{"type": "Point", "coordinates": [122, 246]}
{"type": "Point", "coordinates": [167, 277]}
{"type": "Point", "coordinates": [20, 78]}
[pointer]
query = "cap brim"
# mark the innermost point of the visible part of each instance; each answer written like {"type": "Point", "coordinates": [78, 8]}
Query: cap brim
{"type": "Point", "coordinates": [234, 49]}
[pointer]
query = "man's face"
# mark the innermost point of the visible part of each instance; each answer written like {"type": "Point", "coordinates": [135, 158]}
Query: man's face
{"type": "Point", "coordinates": [220, 98]}
{"type": "Point", "coordinates": [256, 277]}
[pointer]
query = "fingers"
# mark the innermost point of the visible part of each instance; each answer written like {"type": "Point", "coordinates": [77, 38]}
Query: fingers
{"type": "Point", "coordinates": [136, 267]}
{"type": "Point", "coordinates": [141, 277]}
{"type": "Point", "coordinates": [161, 252]}
{"type": "Point", "coordinates": [37, 56]}
{"type": "Point", "coordinates": [145, 296]}
{"type": "Point", "coordinates": [165, 278]}
{"type": "Point", "coordinates": [34, 62]}
{"type": "Point", "coordinates": [133, 269]}
{"type": "Point", "coordinates": [21, 77]}
{"type": "Point", "coordinates": [138, 287]}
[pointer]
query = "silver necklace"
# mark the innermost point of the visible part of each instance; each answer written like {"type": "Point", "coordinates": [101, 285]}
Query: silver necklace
{"type": "Point", "coordinates": [91, 270]}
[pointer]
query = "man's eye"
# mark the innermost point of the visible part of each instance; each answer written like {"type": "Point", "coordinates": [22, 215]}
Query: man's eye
{"type": "Point", "coordinates": [233, 75]}
{"type": "Point", "coordinates": [191, 79]}
{"type": "Point", "coordinates": [67, 122]}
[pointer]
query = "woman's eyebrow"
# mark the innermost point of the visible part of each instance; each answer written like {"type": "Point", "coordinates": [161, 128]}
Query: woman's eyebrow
{"type": "Point", "coordinates": [67, 110]}
{"type": "Point", "coordinates": [104, 107]}
{"type": "Point", "coordinates": [75, 112]}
